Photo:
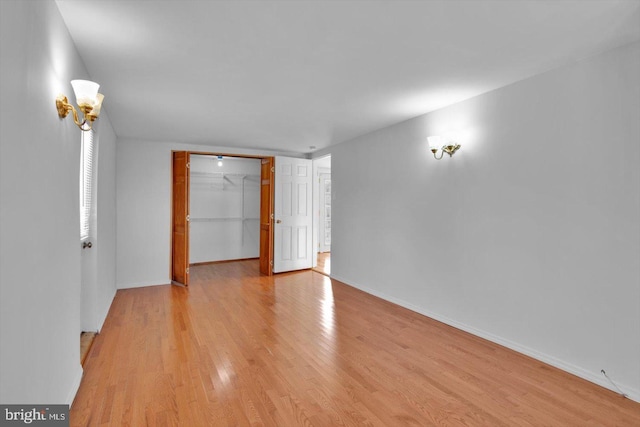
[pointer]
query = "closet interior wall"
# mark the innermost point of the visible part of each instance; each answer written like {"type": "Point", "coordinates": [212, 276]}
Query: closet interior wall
{"type": "Point", "coordinates": [224, 208]}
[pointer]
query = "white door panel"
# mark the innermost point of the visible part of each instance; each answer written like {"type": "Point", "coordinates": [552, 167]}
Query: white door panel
{"type": "Point", "coordinates": [293, 219]}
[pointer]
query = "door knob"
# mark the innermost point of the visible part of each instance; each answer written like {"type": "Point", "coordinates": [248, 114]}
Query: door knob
{"type": "Point", "coordinates": [278, 221]}
{"type": "Point", "coordinates": [86, 245]}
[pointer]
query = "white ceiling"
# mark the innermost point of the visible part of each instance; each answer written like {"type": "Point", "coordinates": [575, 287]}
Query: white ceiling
{"type": "Point", "coordinates": [287, 75]}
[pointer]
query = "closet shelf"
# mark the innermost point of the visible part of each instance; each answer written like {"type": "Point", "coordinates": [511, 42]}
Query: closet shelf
{"type": "Point", "coordinates": [223, 219]}
{"type": "Point", "coordinates": [226, 181]}
{"type": "Point", "coordinates": [222, 175]}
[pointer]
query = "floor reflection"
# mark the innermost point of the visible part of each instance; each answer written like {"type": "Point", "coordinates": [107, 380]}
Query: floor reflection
{"type": "Point", "coordinates": [324, 263]}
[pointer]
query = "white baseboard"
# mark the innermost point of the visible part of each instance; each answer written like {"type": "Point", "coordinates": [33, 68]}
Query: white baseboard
{"type": "Point", "coordinates": [595, 378]}
{"type": "Point", "coordinates": [75, 386]}
{"type": "Point", "coordinates": [163, 281]}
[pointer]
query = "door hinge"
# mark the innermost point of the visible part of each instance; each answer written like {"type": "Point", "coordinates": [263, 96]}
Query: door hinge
{"type": "Point", "coordinates": [271, 263]}
{"type": "Point", "coordinates": [188, 165]}
{"type": "Point", "coordinates": [273, 169]}
{"type": "Point", "coordinates": [272, 216]}
{"type": "Point", "coordinates": [188, 219]}
{"type": "Point", "coordinates": [187, 271]}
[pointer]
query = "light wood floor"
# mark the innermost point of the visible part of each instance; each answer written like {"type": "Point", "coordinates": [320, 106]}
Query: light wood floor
{"type": "Point", "coordinates": [324, 263]}
{"type": "Point", "coordinates": [300, 350]}
{"type": "Point", "coordinates": [86, 341]}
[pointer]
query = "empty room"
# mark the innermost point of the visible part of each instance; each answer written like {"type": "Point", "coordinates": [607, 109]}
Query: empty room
{"type": "Point", "coordinates": [320, 213]}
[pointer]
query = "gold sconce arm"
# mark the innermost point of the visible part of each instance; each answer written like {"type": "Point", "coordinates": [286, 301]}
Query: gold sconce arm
{"type": "Point", "coordinates": [63, 106]}
{"type": "Point", "coordinates": [434, 151]}
{"type": "Point", "coordinates": [449, 149]}
{"type": "Point", "coordinates": [442, 144]}
{"type": "Point", "coordinates": [90, 112]}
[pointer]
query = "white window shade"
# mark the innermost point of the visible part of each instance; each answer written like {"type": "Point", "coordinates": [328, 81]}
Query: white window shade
{"type": "Point", "coordinates": [86, 184]}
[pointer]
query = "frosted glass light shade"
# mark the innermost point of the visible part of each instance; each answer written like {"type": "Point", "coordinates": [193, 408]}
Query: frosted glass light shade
{"type": "Point", "coordinates": [86, 91]}
{"type": "Point", "coordinates": [97, 105]}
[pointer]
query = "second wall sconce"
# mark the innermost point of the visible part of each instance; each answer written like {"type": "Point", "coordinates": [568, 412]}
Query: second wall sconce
{"type": "Point", "coordinates": [89, 102]}
{"type": "Point", "coordinates": [442, 144]}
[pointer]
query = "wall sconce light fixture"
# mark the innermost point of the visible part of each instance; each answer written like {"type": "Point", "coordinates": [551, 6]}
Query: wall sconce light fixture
{"type": "Point", "coordinates": [442, 144]}
{"type": "Point", "coordinates": [89, 102]}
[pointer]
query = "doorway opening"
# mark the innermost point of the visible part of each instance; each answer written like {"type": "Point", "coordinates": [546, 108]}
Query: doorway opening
{"type": "Point", "coordinates": [222, 212]}
{"type": "Point", "coordinates": [286, 214]}
{"type": "Point", "coordinates": [224, 209]}
{"type": "Point", "coordinates": [322, 201]}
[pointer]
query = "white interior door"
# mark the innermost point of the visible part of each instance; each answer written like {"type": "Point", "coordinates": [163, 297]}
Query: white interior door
{"type": "Point", "coordinates": [293, 233]}
{"type": "Point", "coordinates": [324, 240]}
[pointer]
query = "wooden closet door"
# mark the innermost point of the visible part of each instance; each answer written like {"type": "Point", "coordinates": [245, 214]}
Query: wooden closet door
{"type": "Point", "coordinates": [266, 220]}
{"type": "Point", "coordinates": [180, 219]}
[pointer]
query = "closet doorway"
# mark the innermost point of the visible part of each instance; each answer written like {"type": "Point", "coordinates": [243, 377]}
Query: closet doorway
{"type": "Point", "coordinates": [221, 210]}
{"type": "Point", "coordinates": [224, 208]}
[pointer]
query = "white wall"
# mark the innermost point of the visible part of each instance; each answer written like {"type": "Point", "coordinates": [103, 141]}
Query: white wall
{"type": "Point", "coordinates": [529, 235]}
{"type": "Point", "coordinates": [39, 209]}
{"type": "Point", "coordinates": [105, 243]}
{"type": "Point", "coordinates": [225, 213]}
{"type": "Point", "coordinates": [144, 208]}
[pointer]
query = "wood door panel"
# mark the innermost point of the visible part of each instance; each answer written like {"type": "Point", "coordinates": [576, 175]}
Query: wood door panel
{"type": "Point", "coordinates": [266, 220]}
{"type": "Point", "coordinates": [180, 218]}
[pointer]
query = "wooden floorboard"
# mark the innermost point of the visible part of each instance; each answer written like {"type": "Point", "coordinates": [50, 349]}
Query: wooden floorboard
{"type": "Point", "coordinates": [298, 349]}
{"type": "Point", "coordinates": [324, 263]}
{"type": "Point", "coordinates": [86, 341]}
